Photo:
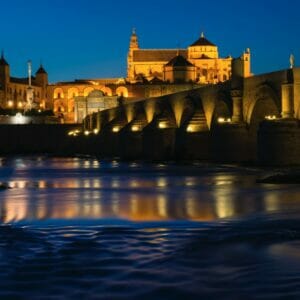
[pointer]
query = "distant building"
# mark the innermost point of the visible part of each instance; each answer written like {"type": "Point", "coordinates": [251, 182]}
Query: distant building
{"type": "Point", "coordinates": [13, 90]}
{"type": "Point", "coordinates": [199, 63]}
{"type": "Point", "coordinates": [150, 73]}
{"type": "Point", "coordinates": [94, 102]}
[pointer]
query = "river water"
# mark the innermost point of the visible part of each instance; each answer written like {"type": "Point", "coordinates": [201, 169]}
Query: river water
{"type": "Point", "coordinates": [80, 228]}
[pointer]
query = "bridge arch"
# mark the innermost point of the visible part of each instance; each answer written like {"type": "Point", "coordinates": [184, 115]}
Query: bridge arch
{"type": "Point", "coordinates": [222, 108]}
{"type": "Point", "coordinates": [265, 102]}
{"type": "Point", "coordinates": [87, 91]}
{"type": "Point", "coordinates": [122, 91]}
{"type": "Point", "coordinates": [107, 91]}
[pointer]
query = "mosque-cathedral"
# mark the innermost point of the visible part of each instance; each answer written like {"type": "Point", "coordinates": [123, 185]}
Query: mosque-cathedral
{"type": "Point", "coordinates": [150, 73]}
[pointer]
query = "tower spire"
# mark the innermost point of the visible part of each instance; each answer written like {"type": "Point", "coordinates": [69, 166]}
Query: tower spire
{"type": "Point", "coordinates": [202, 34]}
{"type": "Point", "coordinates": [134, 44]}
{"type": "Point", "coordinates": [2, 54]}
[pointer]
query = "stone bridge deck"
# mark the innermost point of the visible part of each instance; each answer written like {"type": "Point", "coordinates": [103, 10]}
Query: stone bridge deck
{"type": "Point", "coordinates": [244, 119]}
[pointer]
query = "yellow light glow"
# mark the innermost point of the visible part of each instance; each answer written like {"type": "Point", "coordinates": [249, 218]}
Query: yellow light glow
{"type": "Point", "coordinates": [96, 131]}
{"type": "Point", "coordinates": [86, 132]}
{"type": "Point", "coordinates": [162, 125]}
{"type": "Point", "coordinates": [10, 103]}
{"type": "Point", "coordinates": [20, 104]}
{"type": "Point", "coordinates": [73, 133]}
{"type": "Point", "coordinates": [270, 117]}
{"type": "Point", "coordinates": [224, 120]}
{"type": "Point", "coordinates": [192, 128]}
{"type": "Point", "coordinates": [135, 128]}
{"type": "Point", "coordinates": [116, 129]}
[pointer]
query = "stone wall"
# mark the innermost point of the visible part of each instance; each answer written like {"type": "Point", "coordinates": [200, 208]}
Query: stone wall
{"type": "Point", "coordinates": [36, 138]}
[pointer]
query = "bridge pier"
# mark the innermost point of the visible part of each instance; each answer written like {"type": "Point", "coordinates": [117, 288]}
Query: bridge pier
{"type": "Point", "coordinates": [193, 145]}
{"type": "Point", "coordinates": [287, 100]}
{"type": "Point", "coordinates": [131, 143]}
{"type": "Point", "coordinates": [158, 143]}
{"type": "Point", "coordinates": [279, 142]}
{"type": "Point", "coordinates": [230, 143]}
{"type": "Point", "coordinates": [108, 143]}
{"type": "Point", "coordinates": [237, 110]}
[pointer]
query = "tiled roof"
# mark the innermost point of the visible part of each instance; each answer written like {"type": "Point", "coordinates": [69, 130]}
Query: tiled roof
{"type": "Point", "coordinates": [156, 55]}
{"type": "Point", "coordinates": [20, 80]}
{"type": "Point", "coordinates": [202, 41]}
{"type": "Point", "coordinates": [179, 61]}
{"type": "Point", "coordinates": [3, 62]}
{"type": "Point", "coordinates": [41, 70]}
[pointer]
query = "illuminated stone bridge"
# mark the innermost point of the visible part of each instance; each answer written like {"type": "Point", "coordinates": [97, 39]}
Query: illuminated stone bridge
{"type": "Point", "coordinates": [243, 119]}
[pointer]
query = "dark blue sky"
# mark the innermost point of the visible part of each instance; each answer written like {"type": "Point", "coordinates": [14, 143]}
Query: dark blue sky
{"type": "Point", "coordinates": [89, 38]}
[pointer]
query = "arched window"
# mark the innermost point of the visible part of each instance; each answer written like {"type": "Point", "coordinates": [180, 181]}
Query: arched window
{"type": "Point", "coordinates": [72, 93]}
{"type": "Point", "coordinates": [58, 93]}
{"type": "Point", "coordinates": [87, 91]}
{"type": "Point", "coordinates": [122, 91]}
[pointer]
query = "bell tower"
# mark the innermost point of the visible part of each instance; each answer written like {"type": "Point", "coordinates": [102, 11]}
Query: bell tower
{"type": "Point", "coordinates": [133, 45]}
{"type": "Point", "coordinates": [41, 79]}
{"type": "Point", "coordinates": [4, 76]}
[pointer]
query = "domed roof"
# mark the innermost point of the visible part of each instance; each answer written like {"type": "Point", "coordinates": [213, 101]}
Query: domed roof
{"type": "Point", "coordinates": [179, 61]}
{"type": "Point", "coordinates": [202, 41]}
{"type": "Point", "coordinates": [96, 94]}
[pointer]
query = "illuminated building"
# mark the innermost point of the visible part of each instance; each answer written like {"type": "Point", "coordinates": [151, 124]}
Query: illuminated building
{"type": "Point", "coordinates": [150, 73]}
{"type": "Point", "coordinates": [199, 63]}
{"type": "Point", "coordinates": [13, 91]}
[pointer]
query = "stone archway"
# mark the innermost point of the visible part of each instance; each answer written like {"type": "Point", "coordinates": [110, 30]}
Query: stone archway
{"type": "Point", "coordinates": [265, 103]}
{"type": "Point", "coordinates": [122, 91]}
{"type": "Point", "coordinates": [221, 111]}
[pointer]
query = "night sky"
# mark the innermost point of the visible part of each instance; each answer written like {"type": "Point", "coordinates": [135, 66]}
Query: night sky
{"type": "Point", "coordinates": [89, 38]}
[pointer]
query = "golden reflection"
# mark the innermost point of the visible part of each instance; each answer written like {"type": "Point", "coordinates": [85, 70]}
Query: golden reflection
{"type": "Point", "coordinates": [94, 204]}
{"type": "Point", "coordinates": [86, 183]}
{"type": "Point", "coordinates": [272, 201]}
{"type": "Point", "coordinates": [97, 183]}
{"type": "Point", "coordinates": [16, 210]}
{"type": "Point", "coordinates": [87, 164]}
{"type": "Point", "coordinates": [162, 182]}
{"type": "Point", "coordinates": [134, 183]}
{"type": "Point", "coordinates": [224, 179]}
{"type": "Point", "coordinates": [224, 203]}
{"type": "Point", "coordinates": [162, 204]}
{"type": "Point", "coordinates": [42, 184]}
{"type": "Point", "coordinates": [115, 183]}
{"type": "Point", "coordinates": [135, 205]}
{"type": "Point", "coordinates": [190, 181]}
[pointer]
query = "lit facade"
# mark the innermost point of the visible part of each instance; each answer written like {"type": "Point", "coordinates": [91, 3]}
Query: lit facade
{"type": "Point", "coordinates": [203, 55]}
{"type": "Point", "coordinates": [13, 91]}
{"type": "Point", "coordinates": [150, 73]}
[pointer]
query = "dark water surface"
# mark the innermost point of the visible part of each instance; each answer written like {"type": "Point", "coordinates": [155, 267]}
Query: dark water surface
{"type": "Point", "coordinates": [79, 228]}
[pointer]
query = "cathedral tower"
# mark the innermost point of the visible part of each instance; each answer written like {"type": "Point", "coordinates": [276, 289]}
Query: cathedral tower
{"type": "Point", "coordinates": [41, 79]}
{"type": "Point", "coordinates": [133, 45]}
{"type": "Point", "coordinates": [4, 77]}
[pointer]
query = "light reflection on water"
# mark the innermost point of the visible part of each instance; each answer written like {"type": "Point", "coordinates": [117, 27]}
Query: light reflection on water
{"type": "Point", "coordinates": [73, 188]}
{"type": "Point", "coordinates": [78, 228]}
